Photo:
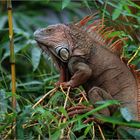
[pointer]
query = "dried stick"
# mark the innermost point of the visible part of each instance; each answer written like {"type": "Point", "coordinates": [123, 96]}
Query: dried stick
{"type": "Point", "coordinates": [135, 54]}
{"type": "Point", "coordinates": [93, 130]}
{"type": "Point", "coordinates": [65, 103]}
{"type": "Point", "coordinates": [9, 132]}
{"type": "Point", "coordinates": [102, 135]}
{"type": "Point", "coordinates": [53, 90]}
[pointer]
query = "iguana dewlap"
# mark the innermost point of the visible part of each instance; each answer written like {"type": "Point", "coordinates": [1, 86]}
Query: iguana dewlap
{"type": "Point", "coordinates": [82, 57]}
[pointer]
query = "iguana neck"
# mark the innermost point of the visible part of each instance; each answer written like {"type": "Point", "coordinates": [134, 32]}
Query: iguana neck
{"type": "Point", "coordinates": [82, 42]}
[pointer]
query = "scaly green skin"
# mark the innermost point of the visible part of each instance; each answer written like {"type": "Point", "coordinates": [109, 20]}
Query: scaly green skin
{"type": "Point", "coordinates": [102, 74]}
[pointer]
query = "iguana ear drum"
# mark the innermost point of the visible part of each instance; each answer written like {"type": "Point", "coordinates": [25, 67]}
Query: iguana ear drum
{"type": "Point", "coordinates": [63, 53]}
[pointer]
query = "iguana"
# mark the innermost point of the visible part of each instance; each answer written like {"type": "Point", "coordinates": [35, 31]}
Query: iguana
{"type": "Point", "coordinates": [84, 56]}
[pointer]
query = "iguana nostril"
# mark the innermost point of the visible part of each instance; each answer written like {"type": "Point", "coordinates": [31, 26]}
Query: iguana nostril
{"type": "Point", "coordinates": [39, 32]}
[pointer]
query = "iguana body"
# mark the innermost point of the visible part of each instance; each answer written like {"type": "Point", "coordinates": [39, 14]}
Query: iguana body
{"type": "Point", "coordinates": [83, 59]}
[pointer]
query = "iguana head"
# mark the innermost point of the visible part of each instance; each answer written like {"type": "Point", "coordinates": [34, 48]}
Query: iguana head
{"type": "Point", "coordinates": [54, 40]}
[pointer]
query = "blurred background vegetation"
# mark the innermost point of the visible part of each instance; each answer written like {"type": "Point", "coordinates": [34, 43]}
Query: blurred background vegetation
{"type": "Point", "coordinates": [36, 75]}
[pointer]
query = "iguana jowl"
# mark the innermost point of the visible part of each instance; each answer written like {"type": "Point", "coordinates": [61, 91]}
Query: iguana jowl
{"type": "Point", "coordinates": [82, 58]}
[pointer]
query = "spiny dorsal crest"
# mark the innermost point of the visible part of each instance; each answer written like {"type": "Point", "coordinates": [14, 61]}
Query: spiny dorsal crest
{"type": "Point", "coordinates": [100, 33]}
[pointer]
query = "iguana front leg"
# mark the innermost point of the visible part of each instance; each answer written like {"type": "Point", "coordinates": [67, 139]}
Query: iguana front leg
{"type": "Point", "coordinates": [80, 72]}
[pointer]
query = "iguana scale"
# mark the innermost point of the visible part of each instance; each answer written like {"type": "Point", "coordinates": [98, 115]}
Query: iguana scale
{"type": "Point", "coordinates": [84, 56]}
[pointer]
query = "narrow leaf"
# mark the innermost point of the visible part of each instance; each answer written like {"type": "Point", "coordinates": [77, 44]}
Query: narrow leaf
{"type": "Point", "coordinates": [56, 135]}
{"type": "Point", "coordinates": [118, 121]}
{"type": "Point", "coordinates": [87, 4]}
{"type": "Point", "coordinates": [36, 55]}
{"type": "Point", "coordinates": [116, 14]}
{"type": "Point", "coordinates": [126, 114]}
{"type": "Point", "coordinates": [65, 3]}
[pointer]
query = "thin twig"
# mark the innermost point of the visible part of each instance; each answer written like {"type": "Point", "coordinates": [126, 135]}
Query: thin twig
{"type": "Point", "coordinates": [135, 54]}
{"type": "Point", "coordinates": [82, 92]}
{"type": "Point", "coordinates": [93, 129]}
{"type": "Point", "coordinates": [31, 125]}
{"type": "Point", "coordinates": [9, 132]}
{"type": "Point", "coordinates": [65, 94]}
{"type": "Point", "coordinates": [81, 99]}
{"type": "Point", "coordinates": [65, 103]}
{"type": "Point", "coordinates": [53, 90]}
{"type": "Point", "coordinates": [101, 132]}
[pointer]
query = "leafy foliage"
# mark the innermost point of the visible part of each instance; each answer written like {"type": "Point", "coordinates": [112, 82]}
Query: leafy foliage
{"type": "Point", "coordinates": [36, 74]}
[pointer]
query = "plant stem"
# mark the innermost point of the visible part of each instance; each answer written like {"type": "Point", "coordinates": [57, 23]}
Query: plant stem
{"type": "Point", "coordinates": [12, 55]}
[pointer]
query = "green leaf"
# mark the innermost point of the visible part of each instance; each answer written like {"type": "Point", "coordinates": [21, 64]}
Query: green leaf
{"type": "Point", "coordinates": [3, 20]}
{"type": "Point", "coordinates": [31, 83]}
{"type": "Point", "coordinates": [56, 98]}
{"type": "Point", "coordinates": [63, 111]}
{"type": "Point", "coordinates": [87, 4]}
{"type": "Point", "coordinates": [124, 134]}
{"type": "Point", "coordinates": [127, 9]}
{"type": "Point", "coordinates": [132, 3]}
{"type": "Point", "coordinates": [19, 129]}
{"type": "Point", "coordinates": [17, 47]}
{"type": "Point", "coordinates": [115, 33]}
{"type": "Point", "coordinates": [56, 135]}
{"type": "Point", "coordinates": [116, 13]}
{"type": "Point", "coordinates": [87, 130]}
{"type": "Point", "coordinates": [126, 114]}
{"type": "Point", "coordinates": [79, 126]}
{"type": "Point", "coordinates": [36, 56]}
{"type": "Point", "coordinates": [38, 130]}
{"type": "Point", "coordinates": [50, 116]}
{"type": "Point", "coordinates": [118, 121]}
{"type": "Point", "coordinates": [134, 132]}
{"type": "Point", "coordinates": [3, 102]}
{"type": "Point", "coordinates": [40, 110]}
{"type": "Point", "coordinates": [65, 3]}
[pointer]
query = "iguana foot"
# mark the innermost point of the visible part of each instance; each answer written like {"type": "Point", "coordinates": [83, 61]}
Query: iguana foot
{"type": "Point", "coordinates": [65, 85]}
{"type": "Point", "coordinates": [97, 94]}
{"type": "Point", "coordinates": [80, 109]}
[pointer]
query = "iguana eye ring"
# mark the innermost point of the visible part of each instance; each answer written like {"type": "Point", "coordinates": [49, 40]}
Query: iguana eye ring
{"type": "Point", "coordinates": [63, 53]}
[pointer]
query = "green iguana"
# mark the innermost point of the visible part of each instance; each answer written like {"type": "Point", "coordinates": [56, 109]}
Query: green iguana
{"type": "Point", "coordinates": [85, 57]}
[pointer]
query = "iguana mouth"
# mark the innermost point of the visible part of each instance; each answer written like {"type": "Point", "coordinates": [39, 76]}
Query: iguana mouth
{"type": "Point", "coordinates": [62, 66]}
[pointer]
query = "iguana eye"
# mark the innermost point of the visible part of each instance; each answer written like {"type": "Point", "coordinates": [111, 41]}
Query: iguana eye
{"type": "Point", "coordinates": [63, 53]}
{"type": "Point", "coordinates": [49, 30]}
